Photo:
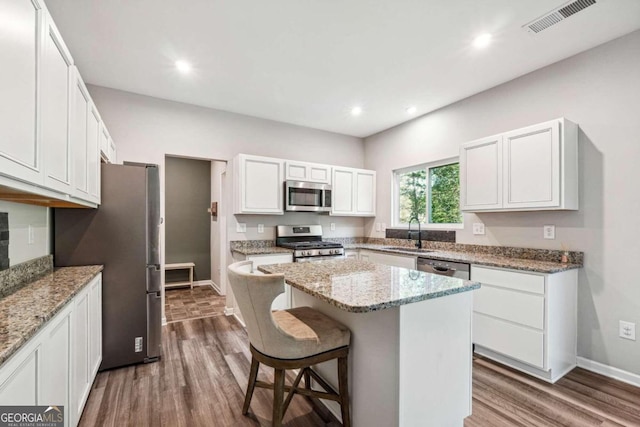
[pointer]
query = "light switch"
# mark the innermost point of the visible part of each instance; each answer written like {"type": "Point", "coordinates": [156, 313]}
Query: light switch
{"type": "Point", "coordinates": [333, 226]}
{"type": "Point", "coordinates": [241, 227]}
{"type": "Point", "coordinates": [478, 228]}
{"type": "Point", "coordinates": [549, 231]}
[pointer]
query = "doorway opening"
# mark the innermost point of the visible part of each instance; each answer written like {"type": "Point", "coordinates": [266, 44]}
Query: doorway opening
{"type": "Point", "coordinates": [193, 285]}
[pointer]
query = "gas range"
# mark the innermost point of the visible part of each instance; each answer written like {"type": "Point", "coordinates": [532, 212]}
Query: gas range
{"type": "Point", "coordinates": [306, 242]}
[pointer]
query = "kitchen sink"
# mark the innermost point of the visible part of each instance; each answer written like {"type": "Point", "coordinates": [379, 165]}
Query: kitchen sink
{"type": "Point", "coordinates": [407, 249]}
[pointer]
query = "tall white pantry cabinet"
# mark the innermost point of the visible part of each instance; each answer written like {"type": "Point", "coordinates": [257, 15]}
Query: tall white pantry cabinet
{"type": "Point", "coordinates": [50, 130]}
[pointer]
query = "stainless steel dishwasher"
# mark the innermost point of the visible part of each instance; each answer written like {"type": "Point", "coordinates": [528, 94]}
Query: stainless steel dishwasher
{"type": "Point", "coordinates": [444, 268]}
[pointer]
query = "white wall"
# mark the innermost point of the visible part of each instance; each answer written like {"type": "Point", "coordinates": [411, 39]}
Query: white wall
{"type": "Point", "coordinates": [600, 90]}
{"type": "Point", "coordinates": [20, 217]}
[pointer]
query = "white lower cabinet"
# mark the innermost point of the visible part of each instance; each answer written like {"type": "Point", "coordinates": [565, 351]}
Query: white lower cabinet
{"type": "Point", "coordinates": [18, 382]}
{"type": "Point", "coordinates": [351, 254]}
{"type": "Point", "coordinates": [282, 301]}
{"type": "Point", "coordinates": [388, 259]}
{"type": "Point", "coordinates": [54, 373]}
{"type": "Point", "coordinates": [57, 366]}
{"type": "Point", "coordinates": [526, 320]}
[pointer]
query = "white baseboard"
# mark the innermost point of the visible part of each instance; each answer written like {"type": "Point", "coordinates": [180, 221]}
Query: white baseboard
{"type": "Point", "coordinates": [239, 320]}
{"type": "Point", "coordinates": [215, 287]}
{"type": "Point", "coordinates": [609, 371]}
{"type": "Point", "coordinates": [203, 283]}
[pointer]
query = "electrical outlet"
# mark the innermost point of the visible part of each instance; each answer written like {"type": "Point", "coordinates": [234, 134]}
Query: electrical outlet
{"type": "Point", "coordinates": [332, 226]}
{"type": "Point", "coordinates": [377, 226]}
{"type": "Point", "coordinates": [260, 228]}
{"type": "Point", "coordinates": [549, 232]}
{"type": "Point", "coordinates": [384, 227]}
{"type": "Point", "coordinates": [241, 227]}
{"type": "Point", "coordinates": [478, 228]}
{"type": "Point", "coordinates": [31, 235]}
{"type": "Point", "coordinates": [627, 330]}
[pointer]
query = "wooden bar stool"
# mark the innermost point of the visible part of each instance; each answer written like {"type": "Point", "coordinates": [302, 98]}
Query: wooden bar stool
{"type": "Point", "coordinates": [297, 338]}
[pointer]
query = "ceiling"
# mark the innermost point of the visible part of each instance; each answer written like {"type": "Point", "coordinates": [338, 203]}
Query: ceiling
{"type": "Point", "coordinates": [309, 62]}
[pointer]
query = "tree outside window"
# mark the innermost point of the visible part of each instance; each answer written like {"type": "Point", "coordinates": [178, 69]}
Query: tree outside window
{"type": "Point", "coordinates": [432, 194]}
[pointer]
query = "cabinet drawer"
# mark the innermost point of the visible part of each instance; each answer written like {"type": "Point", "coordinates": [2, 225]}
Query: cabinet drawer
{"type": "Point", "coordinates": [517, 342]}
{"type": "Point", "coordinates": [515, 306]}
{"type": "Point", "coordinates": [508, 279]}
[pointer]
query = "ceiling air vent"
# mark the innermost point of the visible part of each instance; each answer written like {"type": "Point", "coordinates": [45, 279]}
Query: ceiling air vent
{"type": "Point", "coordinates": [557, 15]}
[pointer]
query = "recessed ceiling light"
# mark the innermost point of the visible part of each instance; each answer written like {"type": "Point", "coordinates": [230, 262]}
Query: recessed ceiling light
{"type": "Point", "coordinates": [183, 66]}
{"type": "Point", "coordinates": [482, 40]}
{"type": "Point", "coordinates": [356, 111]}
{"type": "Point", "coordinates": [411, 110]}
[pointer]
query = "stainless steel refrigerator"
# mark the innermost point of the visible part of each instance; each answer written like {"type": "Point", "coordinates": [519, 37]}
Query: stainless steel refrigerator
{"type": "Point", "coordinates": [123, 235]}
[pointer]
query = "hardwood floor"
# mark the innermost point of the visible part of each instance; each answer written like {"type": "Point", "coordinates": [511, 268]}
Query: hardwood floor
{"type": "Point", "coordinates": [186, 303]}
{"type": "Point", "coordinates": [201, 378]}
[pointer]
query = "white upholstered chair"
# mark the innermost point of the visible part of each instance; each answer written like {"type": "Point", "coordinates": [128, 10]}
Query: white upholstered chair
{"type": "Point", "coordinates": [297, 338]}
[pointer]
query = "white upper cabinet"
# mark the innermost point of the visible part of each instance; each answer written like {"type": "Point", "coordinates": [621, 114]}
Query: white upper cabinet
{"type": "Point", "coordinates": [56, 67]}
{"type": "Point", "coordinates": [258, 185]}
{"type": "Point", "coordinates": [93, 153]}
{"type": "Point", "coordinates": [113, 152]}
{"type": "Point", "coordinates": [481, 174]}
{"type": "Point", "coordinates": [20, 156]}
{"type": "Point", "coordinates": [353, 192]}
{"type": "Point", "coordinates": [312, 172]}
{"type": "Point", "coordinates": [49, 127]}
{"type": "Point", "coordinates": [107, 146]}
{"type": "Point", "coordinates": [79, 135]}
{"type": "Point", "coordinates": [533, 168]}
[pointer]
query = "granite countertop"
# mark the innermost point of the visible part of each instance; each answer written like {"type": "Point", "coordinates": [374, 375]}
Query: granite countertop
{"type": "Point", "coordinates": [361, 286]}
{"type": "Point", "coordinates": [471, 257]}
{"type": "Point", "coordinates": [247, 250]}
{"type": "Point", "coordinates": [25, 311]}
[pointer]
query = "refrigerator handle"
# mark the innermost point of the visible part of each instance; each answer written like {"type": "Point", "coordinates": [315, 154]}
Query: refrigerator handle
{"type": "Point", "coordinates": [154, 278]}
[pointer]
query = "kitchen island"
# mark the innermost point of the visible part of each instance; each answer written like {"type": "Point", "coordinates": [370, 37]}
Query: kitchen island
{"type": "Point", "coordinates": [410, 361]}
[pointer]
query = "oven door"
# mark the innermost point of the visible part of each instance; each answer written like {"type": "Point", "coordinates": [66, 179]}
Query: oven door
{"type": "Point", "coordinates": [303, 196]}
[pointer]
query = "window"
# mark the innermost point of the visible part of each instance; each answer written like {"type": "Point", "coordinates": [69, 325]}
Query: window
{"type": "Point", "coordinates": [429, 192]}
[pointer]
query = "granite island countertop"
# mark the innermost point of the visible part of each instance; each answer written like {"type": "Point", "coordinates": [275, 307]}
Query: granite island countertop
{"type": "Point", "coordinates": [362, 287]}
{"type": "Point", "coordinates": [25, 311]}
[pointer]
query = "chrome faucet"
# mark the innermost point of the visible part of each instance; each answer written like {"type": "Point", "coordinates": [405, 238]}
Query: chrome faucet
{"type": "Point", "coordinates": [419, 244]}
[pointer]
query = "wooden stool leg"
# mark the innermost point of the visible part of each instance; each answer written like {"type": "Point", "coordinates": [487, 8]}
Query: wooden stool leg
{"type": "Point", "coordinates": [307, 379]}
{"type": "Point", "coordinates": [253, 374]}
{"type": "Point", "coordinates": [278, 397]}
{"type": "Point", "coordinates": [343, 384]}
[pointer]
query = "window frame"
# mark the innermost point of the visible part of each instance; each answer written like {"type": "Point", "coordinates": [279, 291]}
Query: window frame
{"type": "Point", "coordinates": [395, 205]}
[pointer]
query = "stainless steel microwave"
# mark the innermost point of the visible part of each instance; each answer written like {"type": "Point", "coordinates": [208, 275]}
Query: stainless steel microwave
{"type": "Point", "coordinates": [302, 196]}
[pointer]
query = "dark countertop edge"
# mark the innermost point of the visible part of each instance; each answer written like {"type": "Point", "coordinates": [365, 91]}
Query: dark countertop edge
{"type": "Point", "coordinates": [47, 317]}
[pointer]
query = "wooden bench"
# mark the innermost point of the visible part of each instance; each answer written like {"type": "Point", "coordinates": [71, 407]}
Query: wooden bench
{"type": "Point", "coordinates": [180, 266]}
